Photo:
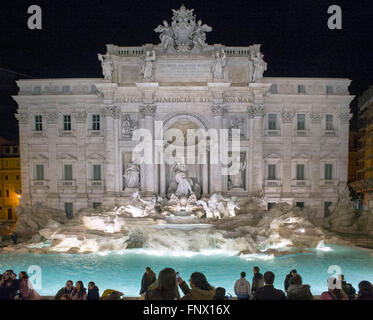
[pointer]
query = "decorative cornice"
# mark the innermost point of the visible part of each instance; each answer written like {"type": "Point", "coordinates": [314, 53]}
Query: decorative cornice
{"type": "Point", "coordinates": [257, 110]}
{"type": "Point", "coordinates": [80, 116]}
{"type": "Point", "coordinates": [219, 109]}
{"type": "Point", "coordinates": [23, 117]}
{"type": "Point", "coordinates": [316, 117]}
{"type": "Point", "coordinates": [344, 117]}
{"type": "Point", "coordinates": [52, 117]}
{"type": "Point", "coordinates": [148, 110]}
{"type": "Point", "coordinates": [287, 116]}
{"type": "Point", "coordinates": [112, 111]}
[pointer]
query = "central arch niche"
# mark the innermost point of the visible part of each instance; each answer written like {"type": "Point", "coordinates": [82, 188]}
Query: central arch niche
{"type": "Point", "coordinates": [199, 172]}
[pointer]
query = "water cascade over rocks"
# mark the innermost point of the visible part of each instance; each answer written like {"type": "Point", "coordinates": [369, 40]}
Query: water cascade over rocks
{"type": "Point", "coordinates": [172, 225]}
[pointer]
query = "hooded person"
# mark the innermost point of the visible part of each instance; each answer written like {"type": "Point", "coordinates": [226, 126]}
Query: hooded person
{"type": "Point", "coordinates": [199, 289]}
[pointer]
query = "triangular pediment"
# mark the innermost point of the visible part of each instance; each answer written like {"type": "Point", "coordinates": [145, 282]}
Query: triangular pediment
{"type": "Point", "coordinates": [66, 156]}
{"type": "Point", "coordinates": [300, 156]}
{"type": "Point", "coordinates": [329, 156]}
{"type": "Point", "coordinates": [273, 156]}
{"type": "Point", "coordinates": [96, 156]}
{"type": "Point", "coordinates": [39, 157]}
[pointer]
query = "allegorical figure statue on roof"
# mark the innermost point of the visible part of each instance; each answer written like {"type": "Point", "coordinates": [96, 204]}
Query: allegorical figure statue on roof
{"type": "Point", "coordinates": [148, 66]}
{"type": "Point", "coordinates": [198, 35]}
{"type": "Point", "coordinates": [259, 66]}
{"type": "Point", "coordinates": [218, 65]}
{"type": "Point", "coordinates": [107, 66]}
{"type": "Point", "coordinates": [166, 35]}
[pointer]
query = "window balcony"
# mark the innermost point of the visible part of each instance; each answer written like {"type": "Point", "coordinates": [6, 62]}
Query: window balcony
{"type": "Point", "coordinates": [67, 133]}
{"type": "Point", "coordinates": [39, 185]}
{"type": "Point", "coordinates": [95, 133]}
{"type": "Point", "coordinates": [38, 182]}
{"type": "Point", "coordinates": [37, 133]}
{"type": "Point", "coordinates": [66, 183]}
{"type": "Point", "coordinates": [272, 133]}
{"type": "Point", "coordinates": [96, 186]}
{"type": "Point", "coordinates": [272, 183]}
{"type": "Point", "coordinates": [302, 133]}
{"type": "Point", "coordinates": [300, 183]}
{"type": "Point", "coordinates": [328, 182]}
{"type": "Point", "coordinates": [330, 133]}
{"type": "Point", "coordinates": [95, 183]}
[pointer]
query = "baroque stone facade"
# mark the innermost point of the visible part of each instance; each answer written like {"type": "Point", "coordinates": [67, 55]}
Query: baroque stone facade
{"type": "Point", "coordinates": [78, 132]}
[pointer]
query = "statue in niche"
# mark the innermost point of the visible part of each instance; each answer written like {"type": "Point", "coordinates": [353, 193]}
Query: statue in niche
{"type": "Point", "coordinates": [184, 182]}
{"type": "Point", "coordinates": [107, 66]}
{"type": "Point", "coordinates": [198, 35]}
{"type": "Point", "coordinates": [132, 176]}
{"type": "Point", "coordinates": [238, 123]}
{"type": "Point", "coordinates": [259, 66]}
{"type": "Point", "coordinates": [236, 180]}
{"type": "Point", "coordinates": [218, 65]}
{"type": "Point", "coordinates": [128, 126]}
{"type": "Point", "coordinates": [166, 35]}
{"type": "Point", "coordinates": [148, 65]}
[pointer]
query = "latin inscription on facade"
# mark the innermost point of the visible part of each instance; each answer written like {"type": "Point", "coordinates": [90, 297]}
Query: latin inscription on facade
{"type": "Point", "coordinates": [180, 71]}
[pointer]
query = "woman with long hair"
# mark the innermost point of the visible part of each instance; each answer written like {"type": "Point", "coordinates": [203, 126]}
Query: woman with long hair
{"type": "Point", "coordinates": [199, 289]}
{"type": "Point", "coordinates": [25, 287]}
{"type": "Point", "coordinates": [165, 287]}
{"type": "Point", "coordinates": [79, 292]}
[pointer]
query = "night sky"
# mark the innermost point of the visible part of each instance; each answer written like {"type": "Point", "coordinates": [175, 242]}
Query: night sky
{"type": "Point", "coordinates": [294, 36]}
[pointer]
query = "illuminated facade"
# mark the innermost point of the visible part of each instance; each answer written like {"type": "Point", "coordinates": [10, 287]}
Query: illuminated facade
{"type": "Point", "coordinates": [364, 184]}
{"type": "Point", "coordinates": [10, 179]}
{"type": "Point", "coordinates": [76, 134]}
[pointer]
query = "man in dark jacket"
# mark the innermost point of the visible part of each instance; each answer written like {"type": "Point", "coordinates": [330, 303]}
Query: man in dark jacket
{"type": "Point", "coordinates": [65, 290]}
{"type": "Point", "coordinates": [14, 238]}
{"type": "Point", "coordinates": [4, 292]}
{"type": "Point", "coordinates": [348, 288]}
{"type": "Point", "coordinates": [258, 280]}
{"type": "Point", "coordinates": [12, 284]}
{"type": "Point", "coordinates": [93, 292]}
{"type": "Point", "coordinates": [269, 292]}
{"type": "Point", "coordinates": [292, 273]}
{"type": "Point", "coordinates": [147, 279]}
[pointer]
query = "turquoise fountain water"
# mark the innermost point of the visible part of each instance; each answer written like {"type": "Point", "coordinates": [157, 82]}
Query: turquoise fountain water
{"type": "Point", "coordinates": [122, 270]}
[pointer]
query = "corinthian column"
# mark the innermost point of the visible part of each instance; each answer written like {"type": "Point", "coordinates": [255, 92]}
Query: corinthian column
{"type": "Point", "coordinates": [316, 151]}
{"type": "Point", "coordinates": [344, 117]}
{"type": "Point", "coordinates": [256, 112]}
{"type": "Point", "coordinates": [287, 126]}
{"type": "Point", "coordinates": [148, 182]}
{"type": "Point", "coordinates": [110, 113]}
{"type": "Point", "coordinates": [26, 169]}
{"type": "Point", "coordinates": [216, 177]}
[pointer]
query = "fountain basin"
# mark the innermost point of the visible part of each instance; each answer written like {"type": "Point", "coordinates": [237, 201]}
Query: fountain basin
{"type": "Point", "coordinates": [122, 270]}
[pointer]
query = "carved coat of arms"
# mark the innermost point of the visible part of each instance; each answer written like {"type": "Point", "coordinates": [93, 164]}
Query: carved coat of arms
{"type": "Point", "coordinates": [184, 34]}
